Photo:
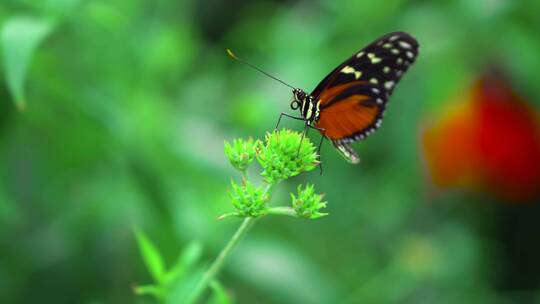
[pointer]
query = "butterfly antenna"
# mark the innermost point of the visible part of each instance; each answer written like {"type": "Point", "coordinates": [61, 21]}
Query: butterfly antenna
{"type": "Point", "coordinates": [233, 56]}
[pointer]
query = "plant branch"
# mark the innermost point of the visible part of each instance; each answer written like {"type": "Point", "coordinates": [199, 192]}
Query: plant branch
{"type": "Point", "coordinates": [282, 211]}
{"type": "Point", "coordinates": [245, 176]}
{"type": "Point", "coordinates": [216, 266]}
{"type": "Point", "coordinates": [268, 189]}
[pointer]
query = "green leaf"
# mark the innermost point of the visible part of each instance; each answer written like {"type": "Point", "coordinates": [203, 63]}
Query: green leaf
{"type": "Point", "coordinates": [21, 36]}
{"type": "Point", "coordinates": [181, 290]}
{"type": "Point", "coordinates": [188, 258]}
{"type": "Point", "coordinates": [149, 290]}
{"type": "Point", "coordinates": [219, 294]}
{"type": "Point", "coordinates": [151, 256]}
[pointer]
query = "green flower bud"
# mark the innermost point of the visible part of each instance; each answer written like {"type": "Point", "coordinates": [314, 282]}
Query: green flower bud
{"type": "Point", "coordinates": [308, 204]}
{"type": "Point", "coordinates": [248, 200]}
{"type": "Point", "coordinates": [241, 153]}
{"type": "Point", "coordinates": [282, 156]}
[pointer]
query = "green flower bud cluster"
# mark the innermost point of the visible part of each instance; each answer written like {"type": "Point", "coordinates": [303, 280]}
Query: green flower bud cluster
{"type": "Point", "coordinates": [283, 154]}
{"type": "Point", "coordinates": [308, 204]}
{"type": "Point", "coordinates": [248, 199]}
{"type": "Point", "coordinates": [241, 153]}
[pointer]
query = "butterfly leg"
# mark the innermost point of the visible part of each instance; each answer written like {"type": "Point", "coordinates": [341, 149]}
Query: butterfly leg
{"type": "Point", "coordinates": [320, 145]}
{"type": "Point", "coordinates": [287, 115]}
{"type": "Point", "coordinates": [319, 152]}
{"type": "Point", "coordinates": [304, 133]}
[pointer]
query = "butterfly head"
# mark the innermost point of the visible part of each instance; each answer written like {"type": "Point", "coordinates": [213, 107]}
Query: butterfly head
{"type": "Point", "coordinates": [299, 97]}
{"type": "Point", "coordinates": [306, 104]}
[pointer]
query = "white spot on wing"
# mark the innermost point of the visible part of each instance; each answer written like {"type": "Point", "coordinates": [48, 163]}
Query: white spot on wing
{"type": "Point", "coordinates": [388, 85]}
{"type": "Point", "coordinates": [375, 90]}
{"type": "Point", "coordinates": [359, 54]}
{"type": "Point", "coordinates": [373, 58]}
{"type": "Point", "coordinates": [393, 38]}
{"type": "Point", "coordinates": [374, 80]}
{"type": "Point", "coordinates": [405, 45]}
{"type": "Point", "coordinates": [347, 69]}
{"type": "Point", "coordinates": [350, 70]}
{"type": "Point", "coordinates": [387, 45]}
{"type": "Point", "coordinates": [379, 101]}
{"type": "Point", "coordinates": [399, 61]}
{"type": "Point", "coordinates": [386, 69]}
{"type": "Point", "coordinates": [394, 51]}
{"type": "Point", "coordinates": [410, 54]}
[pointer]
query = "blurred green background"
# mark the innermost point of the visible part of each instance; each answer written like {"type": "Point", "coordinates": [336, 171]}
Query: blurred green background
{"type": "Point", "coordinates": [126, 107]}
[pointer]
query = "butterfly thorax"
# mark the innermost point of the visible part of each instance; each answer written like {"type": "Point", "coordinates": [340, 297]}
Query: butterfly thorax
{"type": "Point", "coordinates": [309, 107]}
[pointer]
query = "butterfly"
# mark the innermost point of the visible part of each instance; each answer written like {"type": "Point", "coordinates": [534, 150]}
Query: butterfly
{"type": "Point", "coordinates": [349, 104]}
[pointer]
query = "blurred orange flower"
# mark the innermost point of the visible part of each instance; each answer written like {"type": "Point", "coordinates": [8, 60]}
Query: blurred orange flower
{"type": "Point", "coordinates": [488, 140]}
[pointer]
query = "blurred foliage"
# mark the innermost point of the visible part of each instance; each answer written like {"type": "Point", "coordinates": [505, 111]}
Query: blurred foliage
{"type": "Point", "coordinates": [172, 285]}
{"type": "Point", "coordinates": [128, 104]}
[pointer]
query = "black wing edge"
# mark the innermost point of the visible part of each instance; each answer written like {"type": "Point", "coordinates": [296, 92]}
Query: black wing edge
{"type": "Point", "coordinates": [346, 150]}
{"type": "Point", "coordinates": [400, 34]}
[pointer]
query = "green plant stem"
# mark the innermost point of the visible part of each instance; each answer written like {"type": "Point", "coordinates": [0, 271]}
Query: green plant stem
{"type": "Point", "coordinates": [268, 190]}
{"type": "Point", "coordinates": [216, 266]}
{"type": "Point", "coordinates": [282, 211]}
{"type": "Point", "coordinates": [245, 176]}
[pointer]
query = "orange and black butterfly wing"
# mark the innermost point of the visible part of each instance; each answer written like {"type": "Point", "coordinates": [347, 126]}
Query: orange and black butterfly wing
{"type": "Point", "coordinates": [353, 96]}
